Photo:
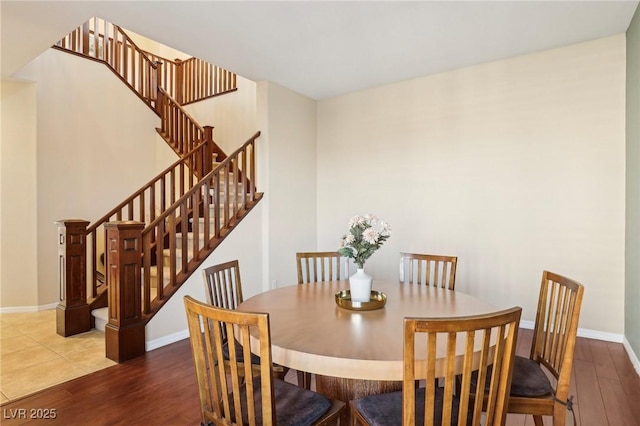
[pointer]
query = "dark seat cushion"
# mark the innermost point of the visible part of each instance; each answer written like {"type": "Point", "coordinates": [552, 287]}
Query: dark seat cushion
{"type": "Point", "coordinates": [528, 379]}
{"type": "Point", "coordinates": [255, 359]}
{"type": "Point", "coordinates": [386, 409]}
{"type": "Point", "coordinates": [295, 406]}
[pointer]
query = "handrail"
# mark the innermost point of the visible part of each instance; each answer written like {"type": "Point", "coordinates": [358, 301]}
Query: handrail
{"type": "Point", "coordinates": [144, 206]}
{"type": "Point", "coordinates": [219, 193]}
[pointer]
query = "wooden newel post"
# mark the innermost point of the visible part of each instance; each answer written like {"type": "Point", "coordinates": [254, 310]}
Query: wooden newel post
{"type": "Point", "coordinates": [73, 315]}
{"type": "Point", "coordinates": [207, 161]}
{"type": "Point", "coordinates": [125, 338]}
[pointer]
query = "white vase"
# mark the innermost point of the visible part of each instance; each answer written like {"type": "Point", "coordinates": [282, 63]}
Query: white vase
{"type": "Point", "coordinates": [360, 286]}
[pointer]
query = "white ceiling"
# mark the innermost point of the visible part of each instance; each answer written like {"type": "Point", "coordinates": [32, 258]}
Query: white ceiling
{"type": "Point", "coordinates": [323, 49]}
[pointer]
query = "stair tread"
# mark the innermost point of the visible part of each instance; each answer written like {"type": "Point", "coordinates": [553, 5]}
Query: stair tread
{"type": "Point", "coordinates": [102, 313]}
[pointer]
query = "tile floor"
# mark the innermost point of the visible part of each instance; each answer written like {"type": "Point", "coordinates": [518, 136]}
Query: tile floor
{"type": "Point", "coordinates": [34, 357]}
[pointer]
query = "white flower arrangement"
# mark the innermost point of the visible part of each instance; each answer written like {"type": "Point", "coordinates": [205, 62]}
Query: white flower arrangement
{"type": "Point", "coordinates": [366, 234]}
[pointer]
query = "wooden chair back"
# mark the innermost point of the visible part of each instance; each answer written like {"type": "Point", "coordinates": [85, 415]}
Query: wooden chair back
{"type": "Point", "coordinates": [321, 266]}
{"type": "Point", "coordinates": [435, 270]}
{"type": "Point", "coordinates": [221, 390]}
{"type": "Point", "coordinates": [222, 286]}
{"type": "Point", "coordinates": [556, 328]}
{"type": "Point", "coordinates": [487, 340]}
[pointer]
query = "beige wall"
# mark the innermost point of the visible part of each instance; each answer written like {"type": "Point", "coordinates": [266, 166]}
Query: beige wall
{"type": "Point", "coordinates": [18, 202]}
{"type": "Point", "coordinates": [92, 149]}
{"type": "Point", "coordinates": [514, 166]}
{"type": "Point", "coordinates": [232, 115]}
{"type": "Point", "coordinates": [288, 176]}
{"type": "Point", "coordinates": [632, 287]}
{"type": "Point", "coordinates": [156, 48]}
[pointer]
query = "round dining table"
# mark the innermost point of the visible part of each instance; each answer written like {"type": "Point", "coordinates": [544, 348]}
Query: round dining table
{"type": "Point", "coordinates": [353, 353]}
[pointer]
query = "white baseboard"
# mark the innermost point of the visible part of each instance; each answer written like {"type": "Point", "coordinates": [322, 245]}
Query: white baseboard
{"type": "Point", "coordinates": [166, 340]}
{"type": "Point", "coordinates": [184, 334]}
{"type": "Point", "coordinates": [632, 355]}
{"type": "Point", "coordinates": [22, 309]}
{"type": "Point", "coordinates": [583, 332]}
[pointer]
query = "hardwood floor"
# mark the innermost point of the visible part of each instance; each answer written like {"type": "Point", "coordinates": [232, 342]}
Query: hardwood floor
{"type": "Point", "coordinates": [160, 388]}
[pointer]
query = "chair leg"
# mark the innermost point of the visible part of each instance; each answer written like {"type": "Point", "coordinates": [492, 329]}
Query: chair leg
{"type": "Point", "coordinates": [354, 417]}
{"type": "Point", "coordinates": [304, 379]}
{"type": "Point", "coordinates": [559, 414]}
{"type": "Point", "coordinates": [538, 420]}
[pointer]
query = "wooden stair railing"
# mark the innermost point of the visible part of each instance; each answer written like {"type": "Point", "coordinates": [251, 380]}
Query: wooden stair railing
{"type": "Point", "coordinates": [187, 81]}
{"type": "Point", "coordinates": [108, 43]}
{"type": "Point", "coordinates": [147, 266]}
{"type": "Point", "coordinates": [194, 225]}
{"type": "Point", "coordinates": [181, 131]}
{"type": "Point", "coordinates": [192, 80]}
{"type": "Point", "coordinates": [176, 239]}
{"type": "Point", "coordinates": [82, 248]}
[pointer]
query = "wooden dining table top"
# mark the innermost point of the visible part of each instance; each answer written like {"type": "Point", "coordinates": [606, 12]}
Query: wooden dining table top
{"type": "Point", "coordinates": [310, 332]}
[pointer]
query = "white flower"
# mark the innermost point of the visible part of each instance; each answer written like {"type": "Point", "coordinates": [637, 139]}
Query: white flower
{"type": "Point", "coordinates": [383, 228]}
{"type": "Point", "coordinates": [370, 218]}
{"type": "Point", "coordinates": [370, 235]}
{"type": "Point", "coordinates": [356, 221]}
{"type": "Point", "coordinates": [366, 234]}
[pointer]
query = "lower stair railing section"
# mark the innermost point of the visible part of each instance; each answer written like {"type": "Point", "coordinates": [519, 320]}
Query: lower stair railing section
{"type": "Point", "coordinates": [82, 248]}
{"type": "Point", "coordinates": [178, 240]}
{"type": "Point", "coordinates": [151, 243]}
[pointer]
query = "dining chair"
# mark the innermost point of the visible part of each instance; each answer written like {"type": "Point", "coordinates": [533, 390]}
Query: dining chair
{"type": "Point", "coordinates": [488, 339]}
{"type": "Point", "coordinates": [552, 348]}
{"type": "Point", "coordinates": [321, 266]}
{"type": "Point", "coordinates": [317, 267]}
{"type": "Point", "coordinates": [434, 270]}
{"type": "Point", "coordinates": [225, 399]}
{"type": "Point", "coordinates": [223, 289]}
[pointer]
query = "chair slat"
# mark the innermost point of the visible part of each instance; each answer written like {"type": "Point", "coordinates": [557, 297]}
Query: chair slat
{"type": "Point", "coordinates": [321, 266]}
{"type": "Point", "coordinates": [439, 271]}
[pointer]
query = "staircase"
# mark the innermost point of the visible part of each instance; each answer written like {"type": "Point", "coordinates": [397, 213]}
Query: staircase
{"type": "Point", "coordinates": [134, 258]}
